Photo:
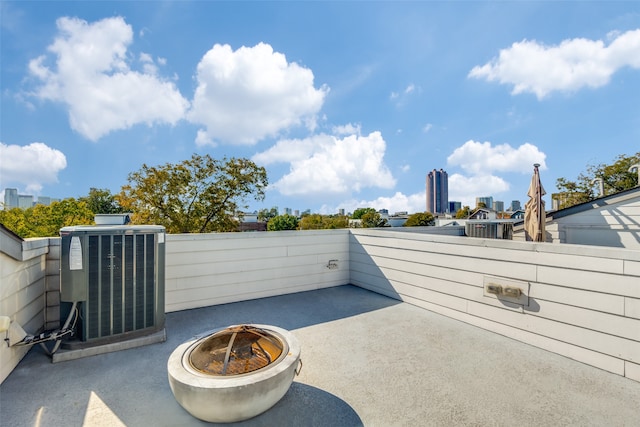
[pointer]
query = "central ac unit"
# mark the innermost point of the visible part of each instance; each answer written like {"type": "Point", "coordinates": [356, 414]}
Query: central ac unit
{"type": "Point", "coordinates": [115, 275]}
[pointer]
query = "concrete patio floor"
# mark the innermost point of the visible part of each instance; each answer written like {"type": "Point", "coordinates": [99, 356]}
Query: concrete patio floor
{"type": "Point", "coordinates": [367, 360]}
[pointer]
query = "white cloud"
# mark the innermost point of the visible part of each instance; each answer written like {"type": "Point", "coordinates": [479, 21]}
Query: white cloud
{"type": "Point", "coordinates": [481, 158]}
{"type": "Point", "coordinates": [532, 67]}
{"type": "Point", "coordinates": [30, 166]}
{"type": "Point", "coordinates": [401, 97]}
{"type": "Point", "coordinates": [399, 202]}
{"type": "Point", "coordinates": [348, 129]}
{"type": "Point", "coordinates": [427, 127]}
{"type": "Point", "coordinates": [325, 164]}
{"type": "Point", "coordinates": [252, 93]}
{"type": "Point", "coordinates": [92, 77]}
{"type": "Point", "coordinates": [465, 189]}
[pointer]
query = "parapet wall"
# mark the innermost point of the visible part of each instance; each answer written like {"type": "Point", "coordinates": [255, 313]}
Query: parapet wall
{"type": "Point", "coordinates": [582, 302]}
{"type": "Point", "coordinates": [211, 269]}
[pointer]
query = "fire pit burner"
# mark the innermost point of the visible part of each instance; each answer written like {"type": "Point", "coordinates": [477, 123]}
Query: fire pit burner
{"type": "Point", "coordinates": [234, 373]}
{"type": "Point", "coordinates": [236, 351]}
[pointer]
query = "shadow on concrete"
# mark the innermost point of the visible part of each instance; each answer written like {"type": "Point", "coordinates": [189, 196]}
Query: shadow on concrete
{"type": "Point", "coordinates": [292, 311]}
{"type": "Point", "coordinates": [305, 405]}
{"type": "Point", "coordinates": [130, 387]}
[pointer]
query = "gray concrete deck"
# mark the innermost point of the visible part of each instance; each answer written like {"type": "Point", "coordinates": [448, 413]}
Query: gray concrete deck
{"type": "Point", "coordinates": [367, 360]}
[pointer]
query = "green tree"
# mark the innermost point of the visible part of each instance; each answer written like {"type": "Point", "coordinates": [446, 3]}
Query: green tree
{"type": "Point", "coordinates": [372, 220]}
{"type": "Point", "coordinates": [311, 222]}
{"type": "Point", "coordinates": [358, 213]}
{"type": "Point", "coordinates": [336, 221]}
{"type": "Point", "coordinates": [15, 220]}
{"type": "Point", "coordinates": [323, 222]}
{"type": "Point", "coordinates": [616, 177]}
{"type": "Point", "coordinates": [420, 219]}
{"type": "Point", "coordinates": [282, 222]}
{"type": "Point", "coordinates": [463, 213]}
{"type": "Point", "coordinates": [266, 214]}
{"type": "Point", "coordinates": [101, 201]}
{"type": "Point", "coordinates": [198, 195]}
{"type": "Point", "coordinates": [46, 221]}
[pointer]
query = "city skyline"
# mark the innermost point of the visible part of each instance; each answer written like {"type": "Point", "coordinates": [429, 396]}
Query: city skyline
{"type": "Point", "coordinates": [346, 104]}
{"type": "Point", "coordinates": [12, 199]}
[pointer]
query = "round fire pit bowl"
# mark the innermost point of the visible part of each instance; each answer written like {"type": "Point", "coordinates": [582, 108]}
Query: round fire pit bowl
{"type": "Point", "coordinates": [234, 373]}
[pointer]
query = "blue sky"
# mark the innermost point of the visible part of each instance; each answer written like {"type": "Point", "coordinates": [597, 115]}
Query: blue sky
{"type": "Point", "coordinates": [346, 104]}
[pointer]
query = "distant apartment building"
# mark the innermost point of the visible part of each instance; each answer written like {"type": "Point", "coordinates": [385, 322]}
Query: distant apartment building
{"type": "Point", "coordinates": [515, 205]}
{"type": "Point", "coordinates": [487, 200]}
{"type": "Point", "coordinates": [454, 207]}
{"type": "Point", "coordinates": [10, 198]}
{"type": "Point", "coordinates": [498, 206]}
{"type": "Point", "coordinates": [23, 201]}
{"type": "Point", "coordinates": [437, 192]}
{"type": "Point", "coordinates": [44, 200]}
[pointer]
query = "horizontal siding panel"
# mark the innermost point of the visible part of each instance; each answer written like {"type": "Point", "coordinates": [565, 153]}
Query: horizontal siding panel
{"type": "Point", "coordinates": [250, 276]}
{"type": "Point", "coordinates": [213, 295]}
{"type": "Point", "coordinates": [241, 241]}
{"type": "Point", "coordinates": [555, 258]}
{"type": "Point", "coordinates": [632, 371]}
{"type": "Point", "coordinates": [480, 265]}
{"type": "Point", "coordinates": [240, 265]}
{"type": "Point", "coordinates": [222, 255]}
{"type": "Point", "coordinates": [576, 297]}
{"type": "Point", "coordinates": [417, 293]}
{"type": "Point", "coordinates": [612, 324]}
{"type": "Point", "coordinates": [632, 268]}
{"type": "Point", "coordinates": [632, 307]}
{"type": "Point", "coordinates": [588, 280]}
{"type": "Point", "coordinates": [597, 341]}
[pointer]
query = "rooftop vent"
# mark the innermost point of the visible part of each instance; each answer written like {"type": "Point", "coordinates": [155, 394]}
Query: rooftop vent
{"type": "Point", "coordinates": [112, 219]}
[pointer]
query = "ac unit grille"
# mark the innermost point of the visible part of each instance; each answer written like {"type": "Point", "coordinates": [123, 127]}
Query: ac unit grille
{"type": "Point", "coordinates": [121, 295]}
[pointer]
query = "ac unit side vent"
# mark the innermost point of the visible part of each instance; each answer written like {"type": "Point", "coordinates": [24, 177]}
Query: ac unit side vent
{"type": "Point", "coordinates": [124, 284]}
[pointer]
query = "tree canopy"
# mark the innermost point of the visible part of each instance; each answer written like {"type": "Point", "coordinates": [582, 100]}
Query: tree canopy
{"type": "Point", "coordinates": [282, 222]}
{"type": "Point", "coordinates": [463, 213]}
{"type": "Point", "coordinates": [101, 201]}
{"type": "Point", "coordinates": [372, 219]}
{"type": "Point", "coordinates": [615, 177]}
{"type": "Point", "coordinates": [420, 219]}
{"type": "Point", "coordinates": [46, 220]}
{"type": "Point", "coordinates": [266, 214]}
{"type": "Point", "coordinates": [322, 222]}
{"type": "Point", "coordinates": [358, 213]}
{"type": "Point", "coordinates": [198, 195]}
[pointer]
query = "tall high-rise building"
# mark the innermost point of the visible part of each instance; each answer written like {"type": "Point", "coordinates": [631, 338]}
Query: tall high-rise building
{"type": "Point", "coordinates": [454, 207]}
{"type": "Point", "coordinates": [10, 198]}
{"type": "Point", "coordinates": [487, 201]}
{"type": "Point", "coordinates": [437, 192]}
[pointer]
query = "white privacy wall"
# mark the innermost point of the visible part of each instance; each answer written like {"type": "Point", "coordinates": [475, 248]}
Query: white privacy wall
{"type": "Point", "coordinates": [209, 269]}
{"type": "Point", "coordinates": [22, 295]}
{"type": "Point", "coordinates": [616, 225]}
{"type": "Point", "coordinates": [579, 301]}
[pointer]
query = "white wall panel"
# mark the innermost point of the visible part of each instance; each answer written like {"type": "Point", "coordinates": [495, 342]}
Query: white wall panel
{"type": "Point", "coordinates": [582, 300]}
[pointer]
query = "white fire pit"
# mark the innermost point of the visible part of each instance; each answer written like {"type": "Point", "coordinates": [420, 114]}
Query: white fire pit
{"type": "Point", "coordinates": [234, 373]}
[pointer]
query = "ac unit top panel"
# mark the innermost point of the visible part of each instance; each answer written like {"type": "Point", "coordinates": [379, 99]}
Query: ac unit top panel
{"type": "Point", "coordinates": [112, 229]}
